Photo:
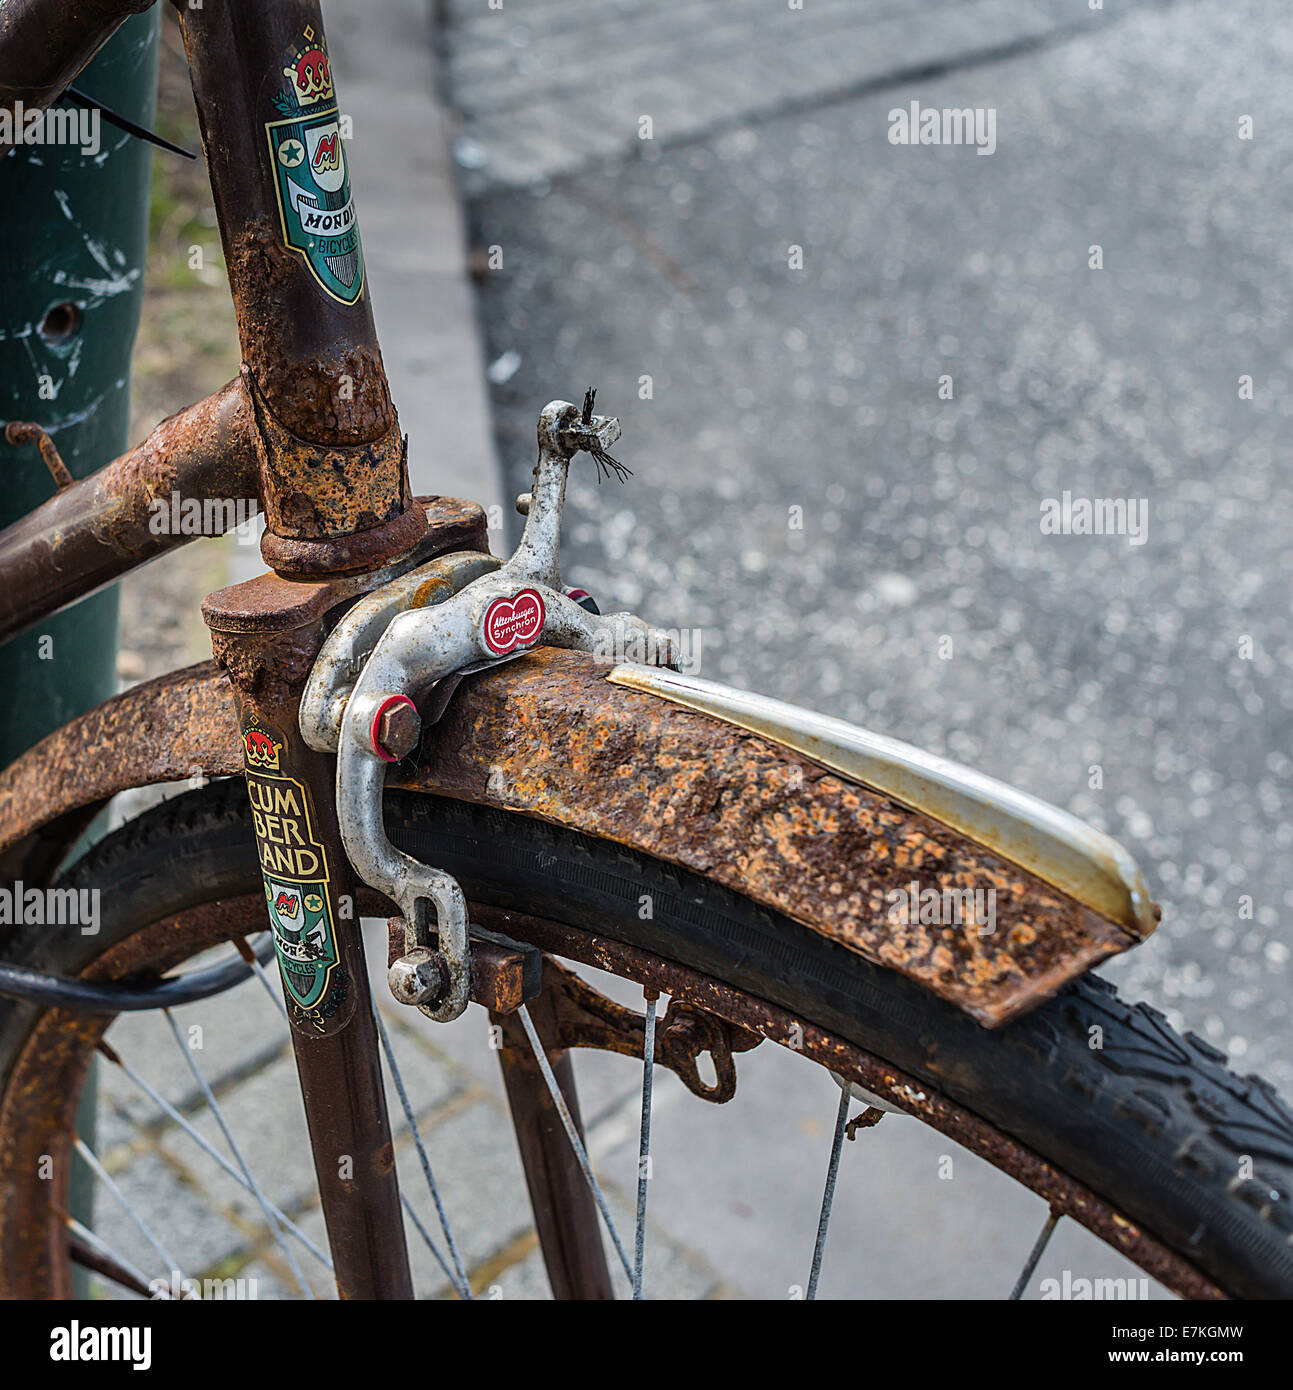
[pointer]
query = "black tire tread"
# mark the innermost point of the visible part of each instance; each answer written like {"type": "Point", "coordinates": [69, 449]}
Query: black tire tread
{"type": "Point", "coordinates": [1153, 1121]}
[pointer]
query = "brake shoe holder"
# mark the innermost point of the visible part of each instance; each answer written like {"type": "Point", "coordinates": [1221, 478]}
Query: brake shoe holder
{"type": "Point", "coordinates": [458, 612]}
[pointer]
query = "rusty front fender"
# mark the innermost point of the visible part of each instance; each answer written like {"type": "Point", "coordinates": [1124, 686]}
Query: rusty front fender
{"type": "Point", "coordinates": [550, 736]}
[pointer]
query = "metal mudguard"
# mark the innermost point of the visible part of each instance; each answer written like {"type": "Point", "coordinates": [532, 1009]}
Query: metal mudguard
{"type": "Point", "coordinates": [837, 829]}
{"type": "Point", "coordinates": [1069, 854]}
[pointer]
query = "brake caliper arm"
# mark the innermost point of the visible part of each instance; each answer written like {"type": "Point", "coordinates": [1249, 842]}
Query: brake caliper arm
{"type": "Point", "coordinates": [488, 617]}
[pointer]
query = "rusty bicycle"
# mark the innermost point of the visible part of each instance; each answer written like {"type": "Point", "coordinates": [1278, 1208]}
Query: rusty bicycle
{"type": "Point", "coordinates": [398, 723]}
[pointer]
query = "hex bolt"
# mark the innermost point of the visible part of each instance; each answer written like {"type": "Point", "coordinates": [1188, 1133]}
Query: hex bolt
{"type": "Point", "coordinates": [396, 728]}
{"type": "Point", "coordinates": [419, 977]}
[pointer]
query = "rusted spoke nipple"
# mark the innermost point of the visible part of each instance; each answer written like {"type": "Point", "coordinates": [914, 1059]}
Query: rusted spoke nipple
{"type": "Point", "coordinates": [870, 1116]}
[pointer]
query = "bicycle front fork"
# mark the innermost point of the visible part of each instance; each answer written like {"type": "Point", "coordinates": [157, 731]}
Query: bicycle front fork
{"type": "Point", "coordinates": [266, 634]}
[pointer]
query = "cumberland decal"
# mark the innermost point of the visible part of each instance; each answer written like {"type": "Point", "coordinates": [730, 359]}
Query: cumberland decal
{"type": "Point", "coordinates": [310, 174]}
{"type": "Point", "coordinates": [294, 866]}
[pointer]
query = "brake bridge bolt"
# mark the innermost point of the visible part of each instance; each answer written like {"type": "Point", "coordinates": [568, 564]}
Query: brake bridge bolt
{"type": "Point", "coordinates": [395, 729]}
{"type": "Point", "coordinates": [418, 977]}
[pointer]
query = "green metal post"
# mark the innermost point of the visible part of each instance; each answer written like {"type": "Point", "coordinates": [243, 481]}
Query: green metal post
{"type": "Point", "coordinates": [73, 239]}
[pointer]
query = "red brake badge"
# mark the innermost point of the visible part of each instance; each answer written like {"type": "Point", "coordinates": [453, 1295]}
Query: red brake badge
{"type": "Point", "coordinates": [511, 622]}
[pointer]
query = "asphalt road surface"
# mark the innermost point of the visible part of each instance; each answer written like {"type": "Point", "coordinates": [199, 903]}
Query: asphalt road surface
{"type": "Point", "coordinates": [1141, 679]}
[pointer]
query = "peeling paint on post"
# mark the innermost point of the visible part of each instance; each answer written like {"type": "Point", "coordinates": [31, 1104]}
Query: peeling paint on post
{"type": "Point", "coordinates": [73, 239]}
{"type": "Point", "coordinates": [75, 230]}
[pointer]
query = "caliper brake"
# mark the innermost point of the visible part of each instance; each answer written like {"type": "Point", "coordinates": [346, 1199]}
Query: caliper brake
{"type": "Point", "coordinates": [459, 613]}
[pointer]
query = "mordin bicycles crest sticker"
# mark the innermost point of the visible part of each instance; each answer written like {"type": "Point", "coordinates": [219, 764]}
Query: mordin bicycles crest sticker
{"type": "Point", "coordinates": [311, 177]}
{"type": "Point", "coordinates": [307, 950]}
{"type": "Point", "coordinates": [294, 866]}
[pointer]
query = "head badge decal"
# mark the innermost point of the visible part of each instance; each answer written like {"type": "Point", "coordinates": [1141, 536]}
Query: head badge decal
{"type": "Point", "coordinates": [307, 948]}
{"type": "Point", "coordinates": [312, 181]}
{"type": "Point", "coordinates": [298, 882]}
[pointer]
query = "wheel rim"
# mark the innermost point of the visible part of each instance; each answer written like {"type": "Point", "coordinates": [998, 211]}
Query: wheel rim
{"type": "Point", "coordinates": [37, 1112]}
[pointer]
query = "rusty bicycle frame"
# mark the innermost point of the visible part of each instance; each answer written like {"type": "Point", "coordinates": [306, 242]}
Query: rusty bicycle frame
{"type": "Point", "coordinates": [310, 432]}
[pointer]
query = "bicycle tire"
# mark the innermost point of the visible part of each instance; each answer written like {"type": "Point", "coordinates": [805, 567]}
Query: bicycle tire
{"type": "Point", "coordinates": [1151, 1121]}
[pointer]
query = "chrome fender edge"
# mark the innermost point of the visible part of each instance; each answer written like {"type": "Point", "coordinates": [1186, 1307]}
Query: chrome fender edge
{"type": "Point", "coordinates": [1082, 862]}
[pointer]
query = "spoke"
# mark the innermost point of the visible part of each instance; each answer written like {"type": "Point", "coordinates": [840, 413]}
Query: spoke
{"type": "Point", "coordinates": [174, 1115]}
{"type": "Point", "coordinates": [106, 1178]}
{"type": "Point", "coordinates": [252, 1185]}
{"type": "Point", "coordinates": [828, 1194]}
{"type": "Point", "coordinates": [568, 1124]}
{"type": "Point", "coordinates": [461, 1282]}
{"type": "Point", "coordinates": [105, 1252]}
{"type": "Point", "coordinates": [244, 950]}
{"type": "Point", "coordinates": [1039, 1245]}
{"type": "Point", "coordinates": [459, 1279]}
{"type": "Point", "coordinates": [644, 1142]}
{"type": "Point", "coordinates": [432, 1246]}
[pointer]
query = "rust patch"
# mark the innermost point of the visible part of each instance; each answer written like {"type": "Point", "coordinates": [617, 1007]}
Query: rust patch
{"type": "Point", "coordinates": [99, 527]}
{"type": "Point", "coordinates": [269, 667]}
{"type": "Point", "coordinates": [19, 432]}
{"type": "Point", "coordinates": [548, 736]}
{"type": "Point", "coordinates": [584, 1017]}
{"type": "Point", "coordinates": [321, 488]}
{"type": "Point", "coordinates": [206, 450]}
{"type": "Point", "coordinates": [353, 552]}
{"type": "Point", "coordinates": [162, 731]}
{"type": "Point", "coordinates": [274, 601]}
{"type": "Point", "coordinates": [340, 397]}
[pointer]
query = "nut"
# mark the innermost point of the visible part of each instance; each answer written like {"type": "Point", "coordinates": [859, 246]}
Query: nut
{"type": "Point", "coordinates": [419, 977]}
{"type": "Point", "coordinates": [397, 728]}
